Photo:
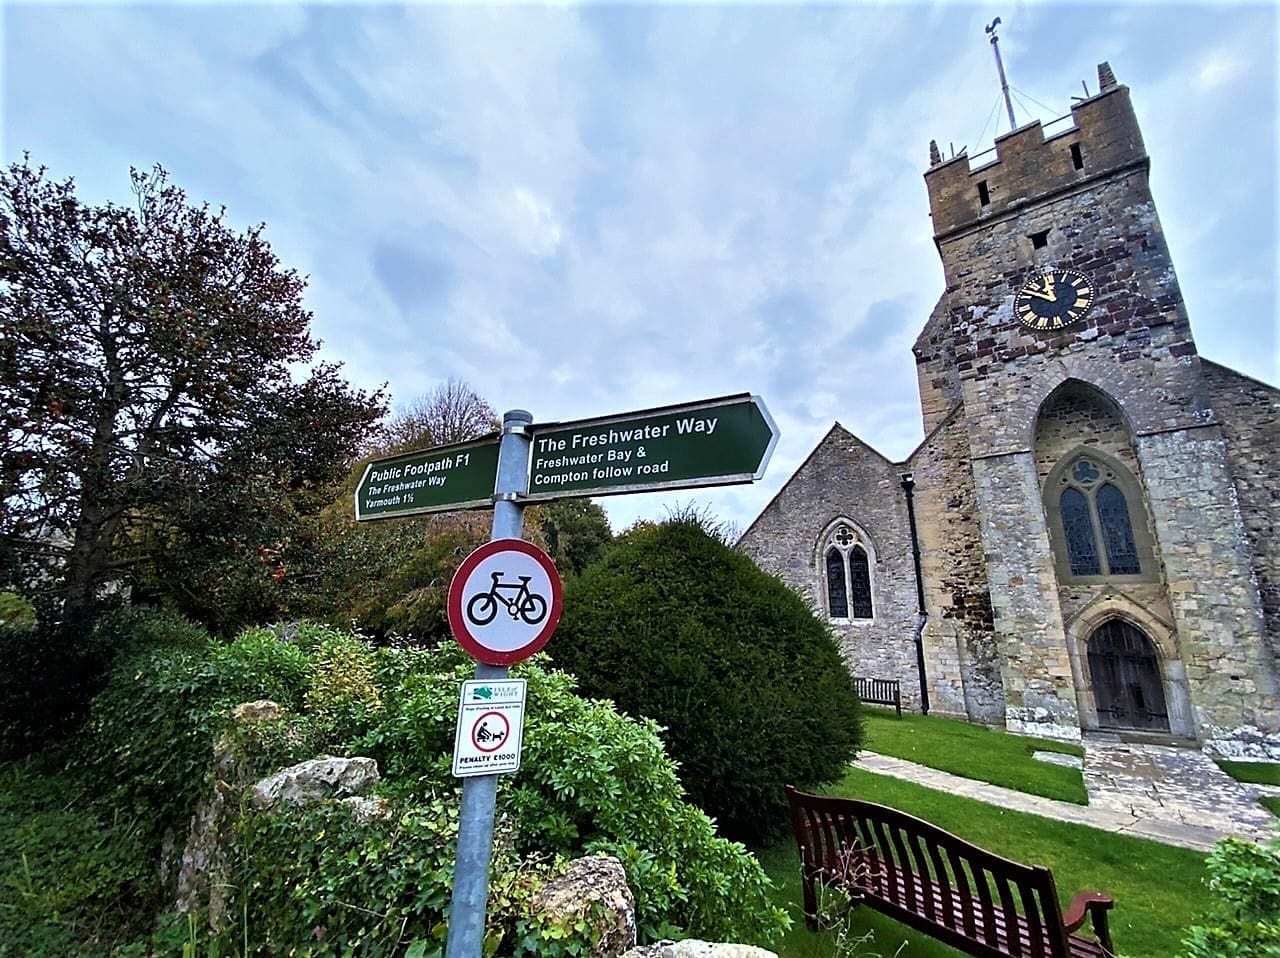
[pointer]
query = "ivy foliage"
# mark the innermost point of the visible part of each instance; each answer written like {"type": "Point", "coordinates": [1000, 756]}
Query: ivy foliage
{"type": "Point", "coordinates": [675, 625]}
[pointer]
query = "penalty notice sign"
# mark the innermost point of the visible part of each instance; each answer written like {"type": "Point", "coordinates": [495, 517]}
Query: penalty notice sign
{"type": "Point", "coordinates": [490, 727]}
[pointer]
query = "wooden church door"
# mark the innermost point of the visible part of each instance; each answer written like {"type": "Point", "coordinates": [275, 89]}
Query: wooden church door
{"type": "Point", "coordinates": [1126, 678]}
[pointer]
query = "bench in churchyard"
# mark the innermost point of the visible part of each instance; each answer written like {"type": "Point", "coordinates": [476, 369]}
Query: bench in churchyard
{"type": "Point", "coordinates": [939, 884]}
{"type": "Point", "coordinates": [880, 692]}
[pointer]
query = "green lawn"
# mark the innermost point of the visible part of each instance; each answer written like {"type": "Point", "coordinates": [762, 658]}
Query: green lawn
{"type": "Point", "coordinates": [1255, 773]}
{"type": "Point", "coordinates": [977, 752]}
{"type": "Point", "coordinates": [1157, 888]}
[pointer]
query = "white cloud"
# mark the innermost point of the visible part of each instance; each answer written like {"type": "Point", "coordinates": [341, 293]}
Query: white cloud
{"type": "Point", "coordinates": [605, 208]}
{"type": "Point", "coordinates": [1217, 70]}
{"type": "Point", "coordinates": [533, 223]}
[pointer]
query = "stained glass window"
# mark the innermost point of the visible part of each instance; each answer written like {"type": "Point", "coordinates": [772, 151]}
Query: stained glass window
{"type": "Point", "coordinates": [1097, 525]}
{"type": "Point", "coordinates": [1077, 526]}
{"type": "Point", "coordinates": [1085, 472]}
{"type": "Point", "coordinates": [1117, 531]}
{"type": "Point", "coordinates": [837, 598]}
{"type": "Point", "coordinates": [860, 582]}
{"type": "Point", "coordinates": [846, 572]}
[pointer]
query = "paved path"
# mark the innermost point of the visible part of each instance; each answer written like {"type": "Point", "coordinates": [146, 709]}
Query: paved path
{"type": "Point", "coordinates": [1173, 795]}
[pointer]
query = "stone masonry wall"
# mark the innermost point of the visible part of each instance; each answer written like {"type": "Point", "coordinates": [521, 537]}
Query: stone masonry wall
{"type": "Point", "coordinates": [845, 478]}
{"type": "Point", "coordinates": [1071, 418]}
{"type": "Point", "coordinates": [1135, 345]}
{"type": "Point", "coordinates": [936, 373]}
{"type": "Point", "coordinates": [962, 659]}
{"type": "Point", "coordinates": [1217, 610]}
{"type": "Point", "coordinates": [1076, 417]}
{"type": "Point", "coordinates": [1250, 415]}
{"type": "Point", "coordinates": [1036, 668]}
{"type": "Point", "coordinates": [1027, 167]}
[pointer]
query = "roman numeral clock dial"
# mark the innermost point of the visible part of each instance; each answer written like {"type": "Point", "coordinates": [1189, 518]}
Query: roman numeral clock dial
{"type": "Point", "coordinates": [1053, 299]}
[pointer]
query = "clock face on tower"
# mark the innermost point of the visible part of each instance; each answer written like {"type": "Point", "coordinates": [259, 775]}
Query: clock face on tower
{"type": "Point", "coordinates": [1053, 298]}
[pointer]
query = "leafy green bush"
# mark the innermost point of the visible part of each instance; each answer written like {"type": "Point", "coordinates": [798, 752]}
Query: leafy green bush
{"type": "Point", "coordinates": [676, 626]}
{"type": "Point", "coordinates": [15, 610]}
{"type": "Point", "coordinates": [42, 688]}
{"type": "Point", "coordinates": [47, 682]}
{"type": "Point", "coordinates": [343, 699]}
{"type": "Point", "coordinates": [148, 743]}
{"type": "Point", "coordinates": [1244, 921]}
{"type": "Point", "coordinates": [591, 780]}
{"type": "Point", "coordinates": [575, 532]}
{"type": "Point", "coordinates": [321, 880]}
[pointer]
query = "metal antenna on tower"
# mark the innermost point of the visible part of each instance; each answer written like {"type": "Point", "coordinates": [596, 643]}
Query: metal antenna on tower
{"type": "Point", "coordinates": [1004, 84]}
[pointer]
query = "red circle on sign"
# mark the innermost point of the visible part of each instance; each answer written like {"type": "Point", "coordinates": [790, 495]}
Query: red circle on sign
{"type": "Point", "coordinates": [489, 740]}
{"type": "Point", "coordinates": [473, 608]}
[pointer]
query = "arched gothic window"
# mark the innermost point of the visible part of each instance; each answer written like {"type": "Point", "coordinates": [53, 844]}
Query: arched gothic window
{"type": "Point", "coordinates": [1097, 519]}
{"type": "Point", "coordinates": [847, 569]}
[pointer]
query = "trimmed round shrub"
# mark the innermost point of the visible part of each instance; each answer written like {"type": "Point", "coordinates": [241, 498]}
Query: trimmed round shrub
{"type": "Point", "coordinates": [676, 626]}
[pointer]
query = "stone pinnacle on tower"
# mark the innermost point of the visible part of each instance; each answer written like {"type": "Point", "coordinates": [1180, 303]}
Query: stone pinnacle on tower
{"type": "Point", "coordinates": [1106, 79]}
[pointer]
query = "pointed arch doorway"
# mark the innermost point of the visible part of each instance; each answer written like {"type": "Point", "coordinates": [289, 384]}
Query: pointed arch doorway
{"type": "Point", "coordinates": [1127, 686]}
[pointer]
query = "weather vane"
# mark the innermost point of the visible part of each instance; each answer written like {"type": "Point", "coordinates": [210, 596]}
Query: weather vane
{"type": "Point", "coordinates": [1004, 84]}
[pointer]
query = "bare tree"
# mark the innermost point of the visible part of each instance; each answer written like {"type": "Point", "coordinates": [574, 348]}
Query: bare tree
{"type": "Point", "coordinates": [452, 412]}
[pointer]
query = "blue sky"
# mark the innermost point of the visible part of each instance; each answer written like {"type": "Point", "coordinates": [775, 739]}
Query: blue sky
{"type": "Point", "coordinates": [583, 210]}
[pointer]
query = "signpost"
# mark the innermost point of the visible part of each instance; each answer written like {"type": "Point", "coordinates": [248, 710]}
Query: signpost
{"type": "Point", "coordinates": [505, 599]}
{"type": "Point", "coordinates": [711, 443]}
{"type": "Point", "coordinates": [434, 480]}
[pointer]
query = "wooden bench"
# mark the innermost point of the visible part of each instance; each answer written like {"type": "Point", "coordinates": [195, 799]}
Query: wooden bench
{"type": "Point", "coordinates": [939, 884]}
{"type": "Point", "coordinates": [880, 692]}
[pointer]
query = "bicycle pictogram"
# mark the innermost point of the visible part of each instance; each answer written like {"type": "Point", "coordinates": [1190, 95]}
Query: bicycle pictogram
{"type": "Point", "coordinates": [508, 574]}
{"type": "Point", "coordinates": [523, 603]}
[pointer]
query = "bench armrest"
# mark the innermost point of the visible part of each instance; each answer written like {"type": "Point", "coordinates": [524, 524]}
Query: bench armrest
{"type": "Point", "coordinates": [1095, 905]}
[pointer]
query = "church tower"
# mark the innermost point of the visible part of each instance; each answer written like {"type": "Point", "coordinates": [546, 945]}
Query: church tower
{"type": "Point", "coordinates": [1095, 507]}
{"type": "Point", "coordinates": [1120, 574]}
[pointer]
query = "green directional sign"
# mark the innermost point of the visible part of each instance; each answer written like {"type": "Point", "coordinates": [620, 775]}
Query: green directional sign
{"type": "Point", "coordinates": [711, 443]}
{"type": "Point", "coordinates": [435, 480]}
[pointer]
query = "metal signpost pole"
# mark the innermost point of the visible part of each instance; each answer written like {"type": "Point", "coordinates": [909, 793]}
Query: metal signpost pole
{"type": "Point", "coordinates": [480, 793]}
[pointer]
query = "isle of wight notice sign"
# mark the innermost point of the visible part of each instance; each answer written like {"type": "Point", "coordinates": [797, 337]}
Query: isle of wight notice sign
{"type": "Point", "coordinates": [710, 443]}
{"type": "Point", "coordinates": [434, 480]}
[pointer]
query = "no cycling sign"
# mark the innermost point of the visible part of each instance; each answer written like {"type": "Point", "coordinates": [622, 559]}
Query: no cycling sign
{"type": "Point", "coordinates": [504, 601]}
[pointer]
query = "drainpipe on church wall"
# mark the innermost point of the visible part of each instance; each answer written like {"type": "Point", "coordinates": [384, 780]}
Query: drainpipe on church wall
{"type": "Point", "coordinates": [908, 489]}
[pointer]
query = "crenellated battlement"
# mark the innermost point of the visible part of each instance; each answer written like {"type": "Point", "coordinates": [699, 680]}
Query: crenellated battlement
{"type": "Point", "coordinates": [1103, 137]}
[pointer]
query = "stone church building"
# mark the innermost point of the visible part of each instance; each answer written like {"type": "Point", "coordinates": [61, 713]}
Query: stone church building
{"type": "Point", "coordinates": [1094, 505]}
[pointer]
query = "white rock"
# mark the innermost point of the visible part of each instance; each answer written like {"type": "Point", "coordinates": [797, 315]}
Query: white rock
{"type": "Point", "coordinates": [694, 948]}
{"type": "Point", "coordinates": [317, 778]}
{"type": "Point", "coordinates": [595, 885]}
